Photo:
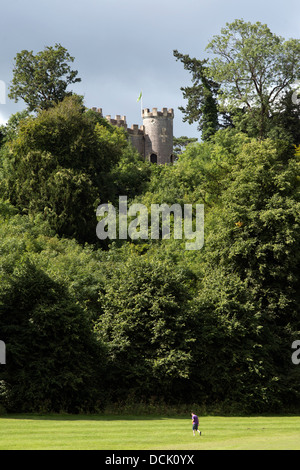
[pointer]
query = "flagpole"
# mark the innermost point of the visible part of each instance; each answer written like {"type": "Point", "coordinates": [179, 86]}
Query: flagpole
{"type": "Point", "coordinates": [140, 98]}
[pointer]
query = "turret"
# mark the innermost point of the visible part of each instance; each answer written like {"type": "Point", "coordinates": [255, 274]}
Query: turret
{"type": "Point", "coordinates": [158, 127]}
{"type": "Point", "coordinates": [154, 139]}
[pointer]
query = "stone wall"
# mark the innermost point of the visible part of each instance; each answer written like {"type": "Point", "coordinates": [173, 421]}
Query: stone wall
{"type": "Point", "coordinates": [154, 139]}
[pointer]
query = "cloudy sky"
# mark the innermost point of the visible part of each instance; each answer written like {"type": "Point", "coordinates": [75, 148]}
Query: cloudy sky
{"type": "Point", "coordinates": [124, 46]}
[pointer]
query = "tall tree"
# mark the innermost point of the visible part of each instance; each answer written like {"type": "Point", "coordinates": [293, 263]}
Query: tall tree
{"type": "Point", "coordinates": [147, 329]}
{"type": "Point", "coordinates": [59, 165]}
{"type": "Point", "coordinates": [41, 80]}
{"type": "Point", "coordinates": [246, 84]}
{"type": "Point", "coordinates": [202, 103]}
{"type": "Point", "coordinates": [53, 358]}
{"type": "Point", "coordinates": [254, 68]}
{"type": "Point", "coordinates": [248, 303]}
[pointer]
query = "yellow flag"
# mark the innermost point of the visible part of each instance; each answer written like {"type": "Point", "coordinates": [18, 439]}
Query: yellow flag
{"type": "Point", "coordinates": [140, 97]}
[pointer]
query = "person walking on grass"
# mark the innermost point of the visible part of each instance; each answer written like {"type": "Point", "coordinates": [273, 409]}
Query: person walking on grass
{"type": "Point", "coordinates": [195, 422]}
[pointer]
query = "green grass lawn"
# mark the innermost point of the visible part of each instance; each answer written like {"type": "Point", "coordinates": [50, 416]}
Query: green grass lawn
{"type": "Point", "coordinates": [103, 432]}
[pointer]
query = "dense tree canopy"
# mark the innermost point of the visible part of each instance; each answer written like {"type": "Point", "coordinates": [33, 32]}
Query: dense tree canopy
{"type": "Point", "coordinates": [60, 165]}
{"type": "Point", "coordinates": [251, 71]}
{"type": "Point", "coordinates": [147, 327]}
{"type": "Point", "coordinates": [41, 80]}
{"type": "Point", "coordinates": [251, 285]}
{"type": "Point", "coordinates": [147, 321]}
{"type": "Point", "coordinates": [202, 96]}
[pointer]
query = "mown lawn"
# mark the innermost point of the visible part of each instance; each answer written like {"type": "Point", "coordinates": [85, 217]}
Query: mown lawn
{"type": "Point", "coordinates": [103, 432]}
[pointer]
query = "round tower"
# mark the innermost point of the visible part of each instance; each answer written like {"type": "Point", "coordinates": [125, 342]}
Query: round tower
{"type": "Point", "coordinates": [158, 128]}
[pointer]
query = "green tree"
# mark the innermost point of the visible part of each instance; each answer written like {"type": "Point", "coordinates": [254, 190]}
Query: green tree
{"type": "Point", "coordinates": [147, 330]}
{"type": "Point", "coordinates": [180, 144]}
{"type": "Point", "coordinates": [9, 131]}
{"type": "Point", "coordinates": [53, 361]}
{"type": "Point", "coordinates": [202, 96]}
{"type": "Point", "coordinates": [248, 84]}
{"type": "Point", "coordinates": [284, 123]}
{"type": "Point", "coordinates": [254, 68]}
{"type": "Point", "coordinates": [58, 165]}
{"type": "Point", "coordinates": [248, 303]}
{"type": "Point", "coordinates": [41, 80]}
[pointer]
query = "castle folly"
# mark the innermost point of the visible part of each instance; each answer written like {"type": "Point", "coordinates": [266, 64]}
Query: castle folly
{"type": "Point", "coordinates": [154, 139]}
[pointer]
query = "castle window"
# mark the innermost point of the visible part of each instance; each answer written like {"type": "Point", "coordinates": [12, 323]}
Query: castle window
{"type": "Point", "coordinates": [153, 158]}
{"type": "Point", "coordinates": [172, 159]}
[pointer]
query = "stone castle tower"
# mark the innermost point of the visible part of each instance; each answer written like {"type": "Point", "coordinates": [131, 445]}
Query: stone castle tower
{"type": "Point", "coordinates": [154, 139]}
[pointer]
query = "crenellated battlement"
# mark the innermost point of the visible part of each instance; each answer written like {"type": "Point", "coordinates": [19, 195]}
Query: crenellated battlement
{"type": "Point", "coordinates": [97, 110]}
{"type": "Point", "coordinates": [118, 121]}
{"type": "Point", "coordinates": [154, 113]}
{"type": "Point", "coordinates": [154, 139]}
{"type": "Point", "coordinates": [136, 130]}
